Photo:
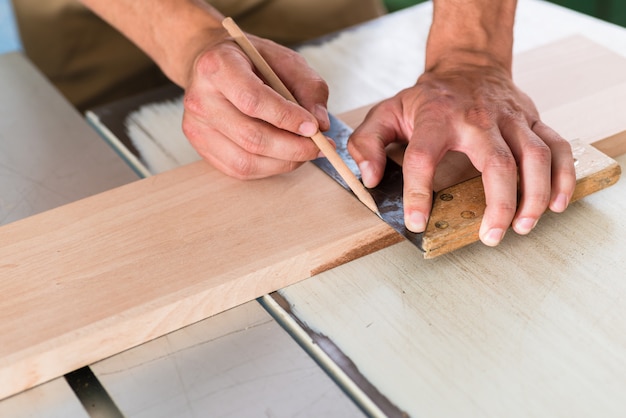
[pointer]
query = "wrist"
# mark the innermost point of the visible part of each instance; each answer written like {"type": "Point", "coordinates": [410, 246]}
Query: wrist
{"type": "Point", "coordinates": [471, 32]}
{"type": "Point", "coordinates": [186, 40]}
{"type": "Point", "coordinates": [179, 66]}
{"type": "Point", "coordinates": [457, 58]}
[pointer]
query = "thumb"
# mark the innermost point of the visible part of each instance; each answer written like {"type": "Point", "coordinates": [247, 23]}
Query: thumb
{"type": "Point", "coordinates": [367, 143]}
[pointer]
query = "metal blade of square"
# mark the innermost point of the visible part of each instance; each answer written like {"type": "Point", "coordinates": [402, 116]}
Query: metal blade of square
{"type": "Point", "coordinates": [387, 194]}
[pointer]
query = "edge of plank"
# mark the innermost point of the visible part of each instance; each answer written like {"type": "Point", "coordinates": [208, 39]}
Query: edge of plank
{"type": "Point", "coordinates": [103, 288]}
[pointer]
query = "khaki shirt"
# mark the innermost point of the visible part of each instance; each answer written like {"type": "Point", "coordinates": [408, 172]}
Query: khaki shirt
{"type": "Point", "coordinates": [91, 63]}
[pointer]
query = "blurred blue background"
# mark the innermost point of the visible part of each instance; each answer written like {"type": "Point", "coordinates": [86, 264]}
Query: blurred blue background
{"type": "Point", "coordinates": [9, 39]}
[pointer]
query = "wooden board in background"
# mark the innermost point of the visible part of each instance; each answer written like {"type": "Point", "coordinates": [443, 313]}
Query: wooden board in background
{"type": "Point", "coordinates": [579, 88]}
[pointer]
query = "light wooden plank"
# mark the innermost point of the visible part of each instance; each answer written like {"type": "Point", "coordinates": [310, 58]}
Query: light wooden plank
{"type": "Point", "coordinates": [36, 173]}
{"type": "Point", "coordinates": [577, 85]}
{"type": "Point", "coordinates": [93, 278]}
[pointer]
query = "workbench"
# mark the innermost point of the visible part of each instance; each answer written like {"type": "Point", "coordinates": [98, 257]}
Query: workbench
{"type": "Point", "coordinates": [238, 363]}
{"type": "Point", "coordinates": [534, 327]}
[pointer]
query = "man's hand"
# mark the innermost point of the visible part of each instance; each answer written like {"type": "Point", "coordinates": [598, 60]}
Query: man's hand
{"type": "Point", "coordinates": [477, 110]}
{"type": "Point", "coordinates": [239, 124]}
{"type": "Point", "coordinates": [235, 121]}
{"type": "Point", "coordinates": [466, 101]}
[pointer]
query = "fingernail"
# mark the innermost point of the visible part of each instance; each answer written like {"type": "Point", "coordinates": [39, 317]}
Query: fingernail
{"type": "Point", "coordinates": [307, 129]}
{"type": "Point", "coordinates": [321, 114]}
{"type": "Point", "coordinates": [416, 221]}
{"type": "Point", "coordinates": [560, 203]}
{"type": "Point", "coordinates": [525, 225]}
{"type": "Point", "coordinates": [366, 174]}
{"type": "Point", "coordinates": [493, 237]}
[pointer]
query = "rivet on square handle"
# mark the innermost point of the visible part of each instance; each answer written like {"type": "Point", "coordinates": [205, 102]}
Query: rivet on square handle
{"type": "Point", "coordinates": [458, 210]}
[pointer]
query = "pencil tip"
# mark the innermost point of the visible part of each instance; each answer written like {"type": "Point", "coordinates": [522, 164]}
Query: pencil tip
{"type": "Point", "coordinates": [371, 204]}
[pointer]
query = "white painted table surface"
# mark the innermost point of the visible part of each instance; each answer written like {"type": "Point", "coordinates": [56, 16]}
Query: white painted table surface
{"type": "Point", "coordinates": [240, 363]}
{"type": "Point", "coordinates": [54, 399]}
{"type": "Point", "coordinates": [49, 156]}
{"type": "Point", "coordinates": [534, 327]}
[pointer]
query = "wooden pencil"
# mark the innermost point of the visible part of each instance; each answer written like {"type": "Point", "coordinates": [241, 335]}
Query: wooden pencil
{"type": "Point", "coordinates": [320, 140]}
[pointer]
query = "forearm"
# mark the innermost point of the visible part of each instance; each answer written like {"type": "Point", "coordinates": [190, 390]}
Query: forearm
{"type": "Point", "coordinates": [478, 32]}
{"type": "Point", "coordinates": [171, 32]}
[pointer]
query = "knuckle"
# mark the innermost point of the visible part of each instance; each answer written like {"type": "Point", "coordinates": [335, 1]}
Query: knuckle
{"type": "Point", "coordinates": [216, 59]}
{"type": "Point", "coordinates": [252, 139]}
{"type": "Point", "coordinates": [242, 167]}
{"type": "Point", "coordinates": [285, 118]}
{"type": "Point", "coordinates": [480, 116]}
{"type": "Point", "coordinates": [417, 161]}
{"type": "Point", "coordinates": [248, 102]}
{"type": "Point", "coordinates": [315, 86]}
{"type": "Point", "coordinates": [208, 63]}
{"type": "Point", "coordinates": [321, 86]}
{"type": "Point", "coordinates": [190, 130]}
{"type": "Point", "coordinates": [538, 151]}
{"type": "Point", "coordinates": [505, 207]}
{"type": "Point", "coordinates": [305, 152]}
{"type": "Point", "coordinates": [193, 103]}
{"type": "Point", "coordinates": [538, 200]}
{"type": "Point", "coordinates": [563, 146]}
{"type": "Point", "coordinates": [502, 159]}
{"type": "Point", "coordinates": [417, 194]}
{"type": "Point", "coordinates": [437, 107]}
{"type": "Point", "coordinates": [195, 132]}
{"type": "Point", "coordinates": [291, 166]}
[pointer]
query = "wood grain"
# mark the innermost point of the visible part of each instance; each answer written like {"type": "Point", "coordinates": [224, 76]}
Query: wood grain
{"type": "Point", "coordinates": [93, 278]}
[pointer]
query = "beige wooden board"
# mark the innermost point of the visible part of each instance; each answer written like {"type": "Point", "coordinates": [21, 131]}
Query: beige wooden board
{"type": "Point", "coordinates": [44, 145]}
{"type": "Point", "coordinates": [577, 85]}
{"type": "Point", "coordinates": [49, 156]}
{"type": "Point", "coordinates": [93, 278]}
